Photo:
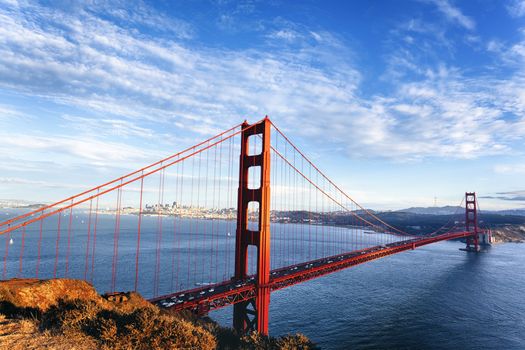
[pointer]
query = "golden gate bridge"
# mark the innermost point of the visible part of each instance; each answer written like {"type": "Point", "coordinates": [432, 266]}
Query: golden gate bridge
{"type": "Point", "coordinates": [251, 214]}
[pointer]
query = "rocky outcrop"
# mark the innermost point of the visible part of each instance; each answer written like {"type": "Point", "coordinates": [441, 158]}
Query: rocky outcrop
{"type": "Point", "coordinates": [42, 294]}
{"type": "Point", "coordinates": [508, 233]}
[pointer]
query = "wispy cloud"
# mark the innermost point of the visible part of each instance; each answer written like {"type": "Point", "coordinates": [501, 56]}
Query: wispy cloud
{"type": "Point", "coordinates": [284, 34]}
{"type": "Point", "coordinates": [516, 168]}
{"type": "Point", "coordinates": [136, 80]}
{"type": "Point", "coordinates": [519, 198]}
{"type": "Point", "coordinates": [83, 150]}
{"type": "Point", "coordinates": [19, 181]}
{"type": "Point", "coordinates": [444, 114]}
{"type": "Point", "coordinates": [438, 109]}
{"type": "Point", "coordinates": [454, 14]}
{"type": "Point", "coordinates": [23, 181]}
{"type": "Point", "coordinates": [513, 193]}
{"type": "Point", "coordinates": [516, 8]}
{"type": "Point", "coordinates": [518, 195]}
{"type": "Point", "coordinates": [108, 127]}
{"type": "Point", "coordinates": [8, 112]}
{"type": "Point", "coordinates": [99, 65]}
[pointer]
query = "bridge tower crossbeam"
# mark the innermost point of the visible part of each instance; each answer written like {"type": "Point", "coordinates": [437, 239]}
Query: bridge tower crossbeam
{"type": "Point", "coordinates": [252, 315]}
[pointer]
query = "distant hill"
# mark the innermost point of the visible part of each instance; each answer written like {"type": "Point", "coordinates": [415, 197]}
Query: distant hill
{"type": "Point", "coordinates": [446, 210]}
{"type": "Point", "coordinates": [411, 222]}
{"type": "Point", "coordinates": [449, 210]}
{"type": "Point", "coordinates": [425, 223]}
{"type": "Point", "coordinates": [19, 204]}
{"type": "Point", "coordinates": [518, 212]}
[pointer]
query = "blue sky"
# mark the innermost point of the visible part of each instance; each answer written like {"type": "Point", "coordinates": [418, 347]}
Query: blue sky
{"type": "Point", "coordinates": [399, 101]}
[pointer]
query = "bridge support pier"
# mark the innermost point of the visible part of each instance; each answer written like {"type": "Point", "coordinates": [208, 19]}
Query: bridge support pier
{"type": "Point", "coordinates": [252, 315]}
{"type": "Point", "coordinates": [485, 238]}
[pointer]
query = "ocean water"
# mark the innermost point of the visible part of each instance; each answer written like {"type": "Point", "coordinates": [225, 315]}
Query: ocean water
{"type": "Point", "coordinates": [435, 297]}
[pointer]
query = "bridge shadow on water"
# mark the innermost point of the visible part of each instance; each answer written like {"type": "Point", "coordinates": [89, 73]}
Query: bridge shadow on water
{"type": "Point", "coordinates": [441, 304]}
{"type": "Point", "coordinates": [401, 325]}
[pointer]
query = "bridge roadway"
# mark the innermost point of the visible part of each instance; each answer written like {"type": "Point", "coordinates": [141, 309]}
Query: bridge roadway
{"type": "Point", "coordinates": [203, 299]}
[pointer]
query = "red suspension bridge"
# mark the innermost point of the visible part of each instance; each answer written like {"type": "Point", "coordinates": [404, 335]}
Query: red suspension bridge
{"type": "Point", "coordinates": [205, 228]}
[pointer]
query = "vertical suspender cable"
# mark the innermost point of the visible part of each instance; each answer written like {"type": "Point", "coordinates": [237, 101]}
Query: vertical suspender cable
{"type": "Point", "coordinates": [88, 239]}
{"type": "Point", "coordinates": [69, 238]}
{"type": "Point", "coordinates": [137, 252]}
{"type": "Point", "coordinates": [94, 240]}
{"type": "Point", "coordinates": [39, 247]}
{"type": "Point", "coordinates": [56, 245]}
{"type": "Point", "coordinates": [22, 251]}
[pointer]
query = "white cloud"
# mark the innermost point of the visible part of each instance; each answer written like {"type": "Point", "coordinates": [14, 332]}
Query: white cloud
{"type": "Point", "coordinates": [454, 14]}
{"type": "Point", "coordinates": [512, 193]}
{"type": "Point", "coordinates": [284, 34]}
{"type": "Point", "coordinates": [23, 181]}
{"type": "Point", "coordinates": [8, 112]}
{"type": "Point", "coordinates": [109, 127]}
{"type": "Point", "coordinates": [135, 80]}
{"type": "Point", "coordinates": [444, 114]}
{"type": "Point", "coordinates": [84, 150]}
{"type": "Point", "coordinates": [494, 46]}
{"type": "Point", "coordinates": [10, 2]}
{"type": "Point", "coordinates": [104, 67]}
{"type": "Point", "coordinates": [516, 8]}
{"type": "Point", "coordinates": [413, 109]}
{"type": "Point", "coordinates": [19, 181]}
{"type": "Point", "coordinates": [509, 169]}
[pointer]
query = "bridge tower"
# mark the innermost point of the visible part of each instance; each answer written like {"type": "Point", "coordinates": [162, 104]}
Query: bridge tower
{"type": "Point", "coordinates": [471, 221]}
{"type": "Point", "coordinates": [252, 314]}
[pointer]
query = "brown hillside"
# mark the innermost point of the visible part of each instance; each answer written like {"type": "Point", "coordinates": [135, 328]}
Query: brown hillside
{"type": "Point", "coordinates": [69, 314]}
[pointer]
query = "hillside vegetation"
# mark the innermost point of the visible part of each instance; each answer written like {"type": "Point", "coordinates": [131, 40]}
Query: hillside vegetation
{"type": "Point", "coordinates": [69, 314]}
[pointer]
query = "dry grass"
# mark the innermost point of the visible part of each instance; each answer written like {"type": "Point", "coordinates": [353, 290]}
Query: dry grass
{"type": "Point", "coordinates": [255, 341]}
{"type": "Point", "coordinates": [141, 328]}
{"type": "Point", "coordinates": [24, 334]}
